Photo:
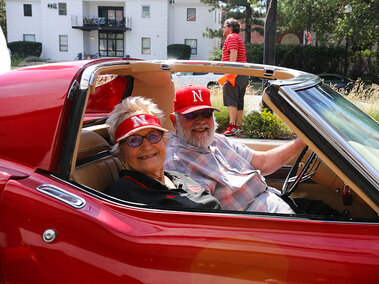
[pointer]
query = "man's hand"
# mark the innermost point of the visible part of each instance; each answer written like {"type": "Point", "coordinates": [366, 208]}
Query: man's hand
{"type": "Point", "coordinates": [272, 160]}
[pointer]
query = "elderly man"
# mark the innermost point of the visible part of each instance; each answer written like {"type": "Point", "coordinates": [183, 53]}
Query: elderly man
{"type": "Point", "coordinates": [231, 172]}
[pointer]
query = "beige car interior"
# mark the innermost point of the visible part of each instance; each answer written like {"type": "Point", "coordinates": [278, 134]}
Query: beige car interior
{"type": "Point", "coordinates": [96, 167]}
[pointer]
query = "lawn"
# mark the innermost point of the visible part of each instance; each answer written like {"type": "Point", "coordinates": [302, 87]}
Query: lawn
{"type": "Point", "coordinates": [366, 98]}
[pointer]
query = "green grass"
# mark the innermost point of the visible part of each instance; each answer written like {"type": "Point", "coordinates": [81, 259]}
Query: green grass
{"type": "Point", "coordinates": [222, 117]}
{"type": "Point", "coordinates": [366, 98]}
{"type": "Point", "coordinates": [254, 124]}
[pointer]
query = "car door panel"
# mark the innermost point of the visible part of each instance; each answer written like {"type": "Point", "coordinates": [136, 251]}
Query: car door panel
{"type": "Point", "coordinates": [109, 242]}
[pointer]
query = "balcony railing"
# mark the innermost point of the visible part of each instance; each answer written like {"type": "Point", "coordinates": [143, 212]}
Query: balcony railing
{"type": "Point", "coordinates": [99, 23]}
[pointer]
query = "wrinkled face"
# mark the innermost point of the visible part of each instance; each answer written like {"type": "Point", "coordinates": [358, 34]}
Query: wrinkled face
{"type": "Point", "coordinates": [146, 158]}
{"type": "Point", "coordinates": [198, 132]}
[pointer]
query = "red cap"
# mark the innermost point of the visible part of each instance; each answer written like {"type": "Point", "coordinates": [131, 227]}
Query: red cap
{"type": "Point", "coordinates": [192, 98]}
{"type": "Point", "coordinates": [137, 122]}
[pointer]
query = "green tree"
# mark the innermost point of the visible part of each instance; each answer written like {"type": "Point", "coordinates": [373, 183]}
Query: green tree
{"type": "Point", "coordinates": [3, 18]}
{"type": "Point", "coordinates": [334, 21]}
{"type": "Point", "coordinates": [315, 15]}
{"type": "Point", "coordinates": [247, 10]}
{"type": "Point", "coordinates": [358, 22]}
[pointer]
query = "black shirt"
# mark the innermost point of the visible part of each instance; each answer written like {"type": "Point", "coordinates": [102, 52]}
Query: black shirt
{"type": "Point", "coordinates": [137, 187]}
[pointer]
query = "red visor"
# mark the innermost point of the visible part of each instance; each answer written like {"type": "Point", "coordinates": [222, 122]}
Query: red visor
{"type": "Point", "coordinates": [137, 122]}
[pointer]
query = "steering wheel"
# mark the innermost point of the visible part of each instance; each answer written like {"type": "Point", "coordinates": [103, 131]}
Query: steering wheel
{"type": "Point", "coordinates": [306, 172]}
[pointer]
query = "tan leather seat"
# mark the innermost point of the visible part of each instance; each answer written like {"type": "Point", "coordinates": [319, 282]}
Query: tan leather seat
{"type": "Point", "coordinates": [96, 167]}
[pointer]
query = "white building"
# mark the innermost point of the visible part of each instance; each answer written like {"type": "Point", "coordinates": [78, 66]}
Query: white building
{"type": "Point", "coordinates": [138, 28]}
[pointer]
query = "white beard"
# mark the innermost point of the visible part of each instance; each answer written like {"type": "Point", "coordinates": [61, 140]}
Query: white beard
{"type": "Point", "coordinates": [186, 134]}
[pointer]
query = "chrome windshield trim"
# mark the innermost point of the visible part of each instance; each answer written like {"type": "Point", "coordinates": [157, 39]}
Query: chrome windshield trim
{"type": "Point", "coordinates": [266, 71]}
{"type": "Point", "coordinates": [269, 70]}
{"type": "Point", "coordinates": [84, 81]}
{"type": "Point", "coordinates": [88, 76]}
{"type": "Point", "coordinates": [322, 127]}
{"type": "Point", "coordinates": [62, 195]}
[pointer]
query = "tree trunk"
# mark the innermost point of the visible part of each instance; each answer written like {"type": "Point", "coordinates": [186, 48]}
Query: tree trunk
{"type": "Point", "coordinates": [270, 38]}
{"type": "Point", "coordinates": [270, 33]}
{"type": "Point", "coordinates": [248, 15]}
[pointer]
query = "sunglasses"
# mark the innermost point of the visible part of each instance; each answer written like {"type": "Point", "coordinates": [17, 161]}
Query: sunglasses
{"type": "Point", "coordinates": [207, 113]}
{"type": "Point", "coordinates": [136, 140]}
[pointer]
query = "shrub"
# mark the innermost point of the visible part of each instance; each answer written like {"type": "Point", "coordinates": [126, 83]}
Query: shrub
{"type": "Point", "coordinates": [254, 52]}
{"type": "Point", "coordinates": [254, 124]}
{"type": "Point", "coordinates": [179, 51]}
{"type": "Point", "coordinates": [25, 48]}
{"type": "Point", "coordinates": [216, 54]}
{"type": "Point", "coordinates": [313, 59]}
{"type": "Point", "coordinates": [33, 59]}
{"type": "Point", "coordinates": [265, 125]}
{"type": "Point", "coordinates": [222, 118]}
{"type": "Point", "coordinates": [15, 60]}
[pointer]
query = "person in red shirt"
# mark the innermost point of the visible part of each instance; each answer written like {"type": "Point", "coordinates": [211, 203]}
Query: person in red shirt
{"type": "Point", "coordinates": [234, 51]}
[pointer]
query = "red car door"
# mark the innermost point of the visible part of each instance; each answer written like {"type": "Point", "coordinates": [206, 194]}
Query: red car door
{"type": "Point", "coordinates": [99, 241]}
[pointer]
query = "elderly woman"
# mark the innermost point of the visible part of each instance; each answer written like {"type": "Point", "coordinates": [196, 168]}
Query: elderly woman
{"type": "Point", "coordinates": [134, 127]}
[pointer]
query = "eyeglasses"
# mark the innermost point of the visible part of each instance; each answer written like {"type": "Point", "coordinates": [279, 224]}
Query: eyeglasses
{"type": "Point", "coordinates": [136, 140]}
{"type": "Point", "coordinates": [206, 113]}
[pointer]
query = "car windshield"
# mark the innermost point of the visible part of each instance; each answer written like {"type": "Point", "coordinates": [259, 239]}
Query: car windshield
{"type": "Point", "coordinates": [359, 130]}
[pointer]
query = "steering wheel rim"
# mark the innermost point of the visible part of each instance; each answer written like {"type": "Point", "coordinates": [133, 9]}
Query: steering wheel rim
{"type": "Point", "coordinates": [293, 180]}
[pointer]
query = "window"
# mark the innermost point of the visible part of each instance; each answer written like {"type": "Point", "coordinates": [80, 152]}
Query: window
{"type": "Point", "coordinates": [146, 45]}
{"type": "Point", "coordinates": [27, 10]}
{"type": "Point", "coordinates": [193, 44]}
{"type": "Point", "coordinates": [114, 16]}
{"type": "Point", "coordinates": [111, 44]}
{"type": "Point", "coordinates": [217, 17]}
{"type": "Point", "coordinates": [145, 11]}
{"type": "Point", "coordinates": [29, 37]}
{"type": "Point", "coordinates": [63, 43]}
{"type": "Point", "coordinates": [62, 9]}
{"type": "Point", "coordinates": [191, 14]}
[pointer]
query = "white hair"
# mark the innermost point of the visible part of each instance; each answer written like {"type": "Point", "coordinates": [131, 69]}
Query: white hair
{"type": "Point", "coordinates": [127, 108]}
{"type": "Point", "coordinates": [186, 135]}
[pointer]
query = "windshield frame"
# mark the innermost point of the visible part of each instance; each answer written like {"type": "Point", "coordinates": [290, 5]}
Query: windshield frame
{"type": "Point", "coordinates": [350, 164]}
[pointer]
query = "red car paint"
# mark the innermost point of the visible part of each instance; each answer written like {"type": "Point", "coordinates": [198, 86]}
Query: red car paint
{"type": "Point", "coordinates": [105, 242]}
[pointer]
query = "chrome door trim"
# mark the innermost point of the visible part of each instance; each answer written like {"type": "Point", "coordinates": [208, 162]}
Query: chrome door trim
{"type": "Point", "coordinates": [62, 195]}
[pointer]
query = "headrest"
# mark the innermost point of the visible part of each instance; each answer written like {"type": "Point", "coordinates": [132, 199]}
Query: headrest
{"type": "Point", "coordinates": [90, 144]}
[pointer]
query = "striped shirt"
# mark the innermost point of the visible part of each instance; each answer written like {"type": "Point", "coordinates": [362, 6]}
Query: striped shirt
{"type": "Point", "coordinates": [234, 41]}
{"type": "Point", "coordinates": [223, 169]}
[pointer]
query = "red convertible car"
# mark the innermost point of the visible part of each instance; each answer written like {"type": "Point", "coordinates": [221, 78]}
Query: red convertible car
{"type": "Point", "coordinates": [57, 225]}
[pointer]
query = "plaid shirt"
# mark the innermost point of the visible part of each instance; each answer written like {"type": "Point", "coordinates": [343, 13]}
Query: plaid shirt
{"type": "Point", "coordinates": [223, 169]}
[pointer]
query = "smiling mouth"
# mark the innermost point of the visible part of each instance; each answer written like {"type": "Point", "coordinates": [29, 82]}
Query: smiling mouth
{"type": "Point", "coordinates": [147, 157]}
{"type": "Point", "coordinates": [202, 129]}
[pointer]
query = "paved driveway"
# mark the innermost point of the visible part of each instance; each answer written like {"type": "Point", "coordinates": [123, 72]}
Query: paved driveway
{"type": "Point", "coordinates": [252, 102]}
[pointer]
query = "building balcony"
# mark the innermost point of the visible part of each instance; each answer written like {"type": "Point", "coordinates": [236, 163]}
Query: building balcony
{"type": "Point", "coordinates": [99, 23]}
